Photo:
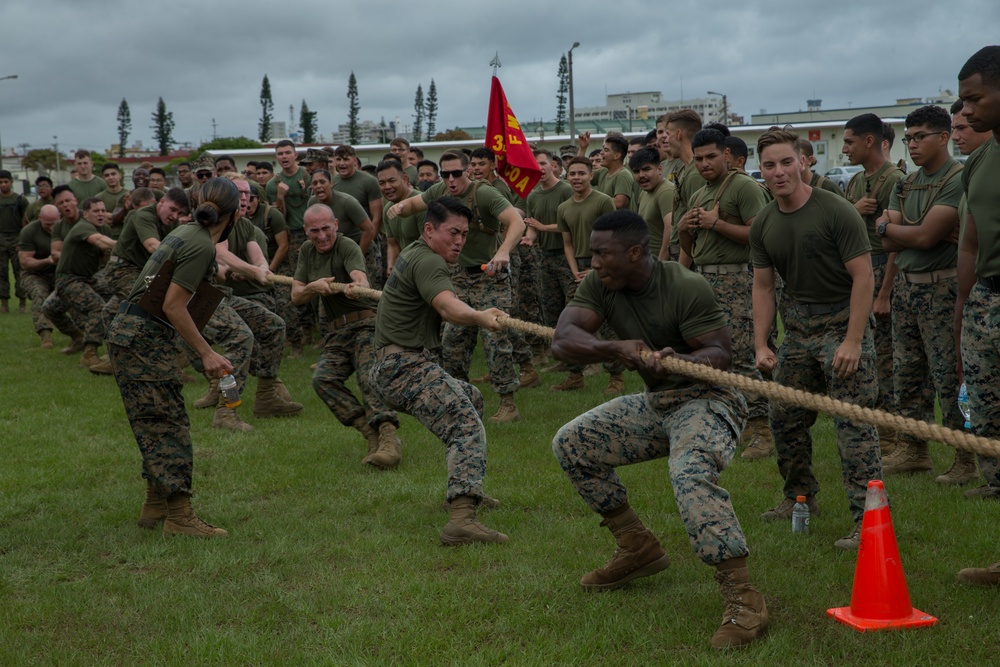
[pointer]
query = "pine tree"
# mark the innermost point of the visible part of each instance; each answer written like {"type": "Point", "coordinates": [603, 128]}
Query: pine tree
{"type": "Point", "coordinates": [163, 127]}
{"type": "Point", "coordinates": [308, 123]}
{"type": "Point", "coordinates": [431, 108]}
{"type": "Point", "coordinates": [353, 108]}
{"type": "Point", "coordinates": [124, 126]}
{"type": "Point", "coordinates": [266, 111]}
{"type": "Point", "coordinates": [418, 117]}
{"type": "Point", "coordinates": [561, 95]}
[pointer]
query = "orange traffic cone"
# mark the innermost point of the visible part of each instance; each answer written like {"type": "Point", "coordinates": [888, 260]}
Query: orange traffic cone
{"type": "Point", "coordinates": [880, 599]}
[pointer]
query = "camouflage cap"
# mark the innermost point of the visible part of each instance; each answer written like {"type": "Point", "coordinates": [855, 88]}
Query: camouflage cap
{"type": "Point", "coordinates": [314, 155]}
{"type": "Point", "coordinates": [203, 163]}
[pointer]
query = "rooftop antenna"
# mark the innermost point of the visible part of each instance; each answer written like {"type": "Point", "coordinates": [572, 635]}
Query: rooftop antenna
{"type": "Point", "coordinates": [495, 63]}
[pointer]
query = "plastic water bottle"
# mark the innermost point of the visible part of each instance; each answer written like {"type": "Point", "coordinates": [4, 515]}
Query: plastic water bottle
{"type": "Point", "coordinates": [488, 269]}
{"type": "Point", "coordinates": [230, 392]}
{"type": "Point", "coordinates": [800, 515]}
{"type": "Point", "coordinates": [963, 404]}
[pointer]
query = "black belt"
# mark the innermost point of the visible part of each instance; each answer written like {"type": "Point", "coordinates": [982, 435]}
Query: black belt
{"type": "Point", "coordinates": [992, 283]}
{"type": "Point", "coordinates": [880, 259]}
{"type": "Point", "coordinates": [132, 309]}
{"type": "Point", "coordinates": [813, 309]}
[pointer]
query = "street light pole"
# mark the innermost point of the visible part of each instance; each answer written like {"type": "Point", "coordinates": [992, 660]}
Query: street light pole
{"type": "Point", "coordinates": [4, 78]}
{"type": "Point", "coordinates": [725, 108]}
{"type": "Point", "coordinates": [572, 113]}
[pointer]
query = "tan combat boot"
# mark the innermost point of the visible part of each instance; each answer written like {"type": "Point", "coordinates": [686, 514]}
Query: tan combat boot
{"type": "Point", "coordinates": [507, 412]}
{"type": "Point", "coordinates": [962, 471]}
{"type": "Point", "coordinates": [22, 307]}
{"type": "Point", "coordinates": [981, 576]}
{"type": "Point", "coordinates": [572, 382]}
{"type": "Point", "coordinates": [485, 503]}
{"type": "Point", "coordinates": [463, 528]}
{"type": "Point", "coordinates": [758, 439]}
{"type": "Point", "coordinates": [887, 440]}
{"type": "Point", "coordinates": [268, 402]}
{"type": "Point", "coordinates": [389, 453]}
{"type": "Point", "coordinates": [76, 346]}
{"type": "Point", "coordinates": [46, 337]}
{"type": "Point", "coordinates": [102, 367]}
{"type": "Point", "coordinates": [154, 510]}
{"type": "Point", "coordinates": [745, 618]}
{"type": "Point", "coordinates": [529, 376]}
{"type": "Point", "coordinates": [638, 554]}
{"type": "Point", "coordinates": [616, 385]}
{"type": "Point", "coordinates": [908, 457]}
{"type": "Point", "coordinates": [181, 519]}
{"type": "Point", "coordinates": [227, 419]}
{"type": "Point", "coordinates": [361, 424]}
{"type": "Point", "coordinates": [89, 357]}
{"type": "Point", "coordinates": [211, 397]}
{"type": "Point", "coordinates": [554, 367]}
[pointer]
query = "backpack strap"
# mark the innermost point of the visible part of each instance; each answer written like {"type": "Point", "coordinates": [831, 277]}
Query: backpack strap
{"type": "Point", "coordinates": [933, 189]}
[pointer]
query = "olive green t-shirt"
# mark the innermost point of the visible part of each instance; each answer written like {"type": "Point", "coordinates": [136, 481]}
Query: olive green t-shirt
{"type": "Point", "coordinates": [349, 212]}
{"type": "Point", "coordinates": [484, 239]}
{"type": "Point", "coordinates": [653, 207]}
{"type": "Point", "coordinates": [140, 225]}
{"type": "Point", "coordinates": [687, 180]}
{"type": "Point", "coordinates": [34, 239]}
{"type": "Point", "coordinates": [577, 219]}
{"type": "Point", "coordinates": [362, 186]}
{"type": "Point", "coordinates": [85, 189]}
{"type": "Point", "coordinates": [112, 200]}
{"type": "Point", "coordinates": [191, 248]}
{"type": "Point", "coordinates": [61, 228]}
{"type": "Point", "coordinates": [405, 230]}
{"type": "Point", "coordinates": [269, 220]}
{"type": "Point", "coordinates": [809, 247]}
{"type": "Point", "coordinates": [943, 255]}
{"type": "Point", "coordinates": [503, 188]}
{"type": "Point", "coordinates": [675, 306]}
{"type": "Point", "coordinates": [979, 179]}
{"type": "Point", "coordinates": [543, 206]}
{"type": "Point", "coordinates": [670, 168]}
{"type": "Point", "coordinates": [295, 199]}
{"type": "Point", "coordinates": [345, 256]}
{"type": "Point", "coordinates": [12, 210]}
{"type": "Point", "coordinates": [243, 233]}
{"type": "Point", "coordinates": [405, 314]}
{"type": "Point", "coordinates": [621, 182]}
{"type": "Point", "coordinates": [742, 200]}
{"type": "Point", "coordinates": [879, 185]}
{"type": "Point", "coordinates": [79, 257]}
{"type": "Point", "coordinates": [35, 208]}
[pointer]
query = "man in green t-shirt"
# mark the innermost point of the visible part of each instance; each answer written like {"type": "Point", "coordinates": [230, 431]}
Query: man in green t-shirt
{"type": "Point", "coordinates": [112, 196]}
{"type": "Point", "coordinates": [921, 228]}
{"type": "Point", "coordinates": [77, 284]}
{"type": "Point", "coordinates": [656, 201]}
{"type": "Point", "coordinates": [657, 309]}
{"type": "Point", "coordinates": [85, 184]}
{"type": "Point", "coordinates": [869, 190]}
{"type": "Point", "coordinates": [811, 177]}
{"type": "Point", "coordinates": [715, 233]}
{"type": "Point", "coordinates": [38, 274]}
{"type": "Point", "coordinates": [406, 375]}
{"type": "Point", "coordinates": [351, 180]}
{"type": "Point", "coordinates": [43, 187]}
{"type": "Point", "coordinates": [542, 221]}
{"type": "Point", "coordinates": [977, 309]}
{"type": "Point", "coordinates": [328, 256]}
{"type": "Point", "coordinates": [680, 127]}
{"type": "Point", "coordinates": [12, 209]}
{"type": "Point", "coordinates": [575, 219]}
{"type": "Point", "coordinates": [816, 242]}
{"type": "Point", "coordinates": [400, 232]}
{"type": "Point", "coordinates": [481, 275]}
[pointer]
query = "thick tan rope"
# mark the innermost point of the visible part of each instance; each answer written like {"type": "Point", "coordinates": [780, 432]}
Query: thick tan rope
{"type": "Point", "coordinates": [777, 392]}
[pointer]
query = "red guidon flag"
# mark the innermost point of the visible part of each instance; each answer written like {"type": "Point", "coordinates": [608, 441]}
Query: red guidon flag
{"type": "Point", "coordinates": [516, 163]}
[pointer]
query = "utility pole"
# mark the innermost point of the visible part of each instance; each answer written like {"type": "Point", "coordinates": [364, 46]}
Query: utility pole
{"type": "Point", "coordinates": [56, 146]}
{"type": "Point", "coordinates": [572, 112]}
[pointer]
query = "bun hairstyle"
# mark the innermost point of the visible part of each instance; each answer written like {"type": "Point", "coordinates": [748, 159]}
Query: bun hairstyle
{"type": "Point", "coordinates": [219, 197]}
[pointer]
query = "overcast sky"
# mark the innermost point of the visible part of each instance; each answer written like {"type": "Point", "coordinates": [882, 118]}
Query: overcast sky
{"type": "Point", "coordinates": [76, 60]}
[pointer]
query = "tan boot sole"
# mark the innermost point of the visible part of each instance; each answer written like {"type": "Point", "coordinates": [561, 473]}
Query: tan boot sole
{"type": "Point", "coordinates": [658, 565]}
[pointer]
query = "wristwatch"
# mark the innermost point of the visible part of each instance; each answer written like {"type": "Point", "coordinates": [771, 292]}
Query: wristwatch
{"type": "Point", "coordinates": [881, 228]}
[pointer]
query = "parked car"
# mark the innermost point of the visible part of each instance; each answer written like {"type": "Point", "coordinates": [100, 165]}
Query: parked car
{"type": "Point", "coordinates": [755, 175]}
{"type": "Point", "coordinates": [841, 175]}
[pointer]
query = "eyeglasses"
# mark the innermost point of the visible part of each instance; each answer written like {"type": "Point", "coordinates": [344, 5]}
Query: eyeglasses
{"type": "Point", "coordinates": [918, 137]}
{"type": "Point", "coordinates": [204, 175]}
{"type": "Point", "coordinates": [454, 173]}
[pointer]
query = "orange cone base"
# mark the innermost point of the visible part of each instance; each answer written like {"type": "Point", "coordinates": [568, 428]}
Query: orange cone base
{"type": "Point", "coordinates": [916, 619]}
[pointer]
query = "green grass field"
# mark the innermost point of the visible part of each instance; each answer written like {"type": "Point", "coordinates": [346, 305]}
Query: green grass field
{"type": "Point", "coordinates": [332, 563]}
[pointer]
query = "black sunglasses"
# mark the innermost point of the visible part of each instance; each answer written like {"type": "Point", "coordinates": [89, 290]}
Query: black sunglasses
{"type": "Point", "coordinates": [454, 173]}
